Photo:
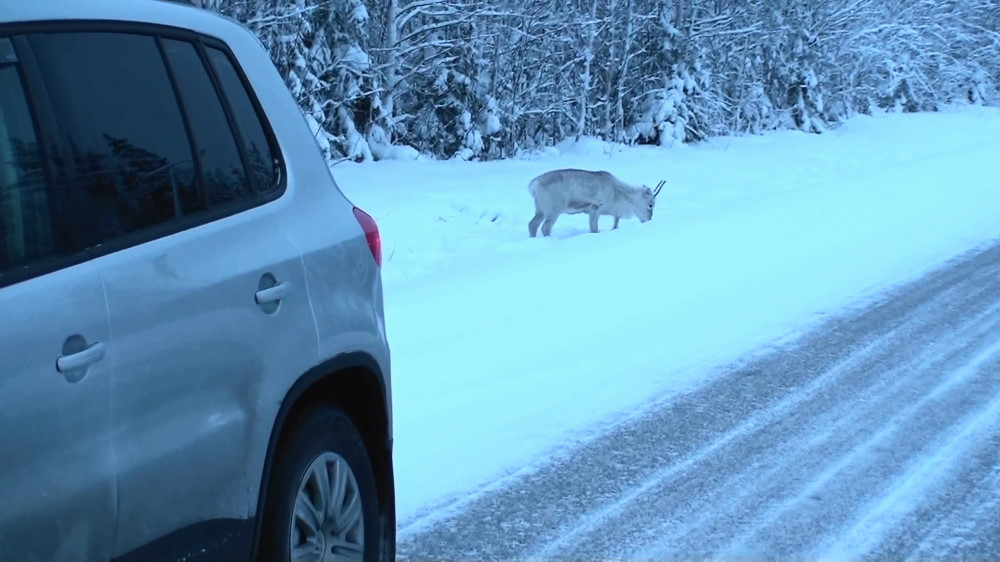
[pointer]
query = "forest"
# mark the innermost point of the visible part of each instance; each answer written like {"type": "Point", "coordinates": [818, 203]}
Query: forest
{"type": "Point", "coordinates": [492, 79]}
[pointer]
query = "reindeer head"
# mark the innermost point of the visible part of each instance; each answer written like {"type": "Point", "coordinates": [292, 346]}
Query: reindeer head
{"type": "Point", "coordinates": [644, 207]}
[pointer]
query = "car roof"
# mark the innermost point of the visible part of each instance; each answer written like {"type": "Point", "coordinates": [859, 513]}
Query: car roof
{"type": "Point", "coordinates": [174, 13]}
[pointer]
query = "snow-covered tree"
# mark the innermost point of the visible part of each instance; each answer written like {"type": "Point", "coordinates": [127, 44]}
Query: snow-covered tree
{"type": "Point", "coordinates": [478, 79]}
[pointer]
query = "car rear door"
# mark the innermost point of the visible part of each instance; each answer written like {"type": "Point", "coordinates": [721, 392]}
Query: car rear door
{"type": "Point", "coordinates": [57, 466]}
{"type": "Point", "coordinates": [206, 294]}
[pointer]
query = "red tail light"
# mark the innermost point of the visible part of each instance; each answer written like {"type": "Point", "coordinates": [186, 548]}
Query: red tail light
{"type": "Point", "coordinates": [371, 234]}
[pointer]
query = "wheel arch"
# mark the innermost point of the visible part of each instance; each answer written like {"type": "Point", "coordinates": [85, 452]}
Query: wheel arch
{"type": "Point", "coordinates": [354, 383]}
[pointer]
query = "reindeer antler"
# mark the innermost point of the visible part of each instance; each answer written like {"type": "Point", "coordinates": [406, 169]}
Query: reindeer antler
{"type": "Point", "coordinates": [659, 186]}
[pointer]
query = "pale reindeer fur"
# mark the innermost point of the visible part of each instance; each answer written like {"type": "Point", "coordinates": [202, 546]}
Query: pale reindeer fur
{"type": "Point", "coordinates": [572, 191]}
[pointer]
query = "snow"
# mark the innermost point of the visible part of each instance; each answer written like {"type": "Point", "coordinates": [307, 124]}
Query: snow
{"type": "Point", "coordinates": [901, 500]}
{"type": "Point", "coordinates": [507, 349]}
{"type": "Point", "coordinates": [354, 57]}
{"type": "Point", "coordinates": [381, 148]}
{"type": "Point", "coordinates": [586, 147]}
{"type": "Point", "coordinates": [393, 151]}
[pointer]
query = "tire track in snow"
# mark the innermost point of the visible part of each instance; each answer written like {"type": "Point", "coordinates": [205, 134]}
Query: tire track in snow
{"type": "Point", "coordinates": [883, 519]}
{"type": "Point", "coordinates": [823, 445]}
{"type": "Point", "coordinates": [791, 526]}
{"type": "Point", "coordinates": [820, 449]}
{"type": "Point", "coordinates": [966, 528]}
{"type": "Point", "coordinates": [773, 458]}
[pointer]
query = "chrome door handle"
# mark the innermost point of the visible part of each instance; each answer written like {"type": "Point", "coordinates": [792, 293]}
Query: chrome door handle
{"type": "Point", "coordinates": [82, 359]}
{"type": "Point", "coordinates": [273, 294]}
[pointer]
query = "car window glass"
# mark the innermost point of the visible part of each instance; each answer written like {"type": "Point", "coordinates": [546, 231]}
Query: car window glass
{"type": "Point", "coordinates": [251, 129]}
{"type": "Point", "coordinates": [130, 157]}
{"type": "Point", "coordinates": [26, 226]}
{"type": "Point", "coordinates": [223, 174]}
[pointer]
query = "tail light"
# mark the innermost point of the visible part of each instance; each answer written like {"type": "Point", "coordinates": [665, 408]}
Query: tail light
{"type": "Point", "coordinates": [371, 234]}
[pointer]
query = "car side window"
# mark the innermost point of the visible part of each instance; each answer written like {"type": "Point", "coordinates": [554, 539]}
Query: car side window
{"type": "Point", "coordinates": [129, 157]}
{"type": "Point", "coordinates": [248, 121]}
{"type": "Point", "coordinates": [27, 232]}
{"type": "Point", "coordinates": [222, 170]}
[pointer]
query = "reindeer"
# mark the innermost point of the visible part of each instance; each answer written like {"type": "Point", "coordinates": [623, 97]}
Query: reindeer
{"type": "Point", "coordinates": [572, 191]}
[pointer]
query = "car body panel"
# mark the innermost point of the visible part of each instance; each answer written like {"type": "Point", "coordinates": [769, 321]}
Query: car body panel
{"type": "Point", "coordinates": [57, 465]}
{"type": "Point", "coordinates": [192, 352]}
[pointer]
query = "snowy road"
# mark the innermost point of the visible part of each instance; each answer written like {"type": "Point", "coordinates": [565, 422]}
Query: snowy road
{"type": "Point", "coordinates": [877, 434]}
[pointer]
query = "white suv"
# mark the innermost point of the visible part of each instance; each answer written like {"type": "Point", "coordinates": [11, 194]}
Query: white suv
{"type": "Point", "coordinates": [193, 361]}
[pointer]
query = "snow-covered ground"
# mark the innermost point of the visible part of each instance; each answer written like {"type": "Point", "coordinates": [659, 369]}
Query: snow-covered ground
{"type": "Point", "coordinates": [507, 348]}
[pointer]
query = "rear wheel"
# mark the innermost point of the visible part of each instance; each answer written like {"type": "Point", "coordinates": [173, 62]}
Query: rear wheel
{"type": "Point", "coordinates": [322, 501]}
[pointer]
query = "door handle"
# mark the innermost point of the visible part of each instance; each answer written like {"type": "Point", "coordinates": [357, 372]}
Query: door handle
{"type": "Point", "coordinates": [82, 359]}
{"type": "Point", "coordinates": [273, 294]}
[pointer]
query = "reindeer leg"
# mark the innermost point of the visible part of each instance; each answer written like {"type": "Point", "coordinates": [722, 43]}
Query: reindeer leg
{"type": "Point", "coordinates": [550, 221]}
{"type": "Point", "coordinates": [616, 223]}
{"type": "Point", "coordinates": [593, 221]}
{"type": "Point", "coordinates": [535, 221]}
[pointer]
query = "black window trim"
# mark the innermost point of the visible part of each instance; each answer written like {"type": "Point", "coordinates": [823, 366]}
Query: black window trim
{"type": "Point", "coordinates": [227, 108]}
{"type": "Point", "coordinates": [40, 102]}
{"type": "Point", "coordinates": [277, 159]}
{"type": "Point", "coordinates": [188, 129]}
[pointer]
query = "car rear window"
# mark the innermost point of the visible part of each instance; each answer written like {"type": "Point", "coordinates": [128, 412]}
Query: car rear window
{"type": "Point", "coordinates": [222, 169]}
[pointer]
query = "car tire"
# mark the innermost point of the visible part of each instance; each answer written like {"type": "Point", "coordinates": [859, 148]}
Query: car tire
{"type": "Point", "coordinates": [323, 468]}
